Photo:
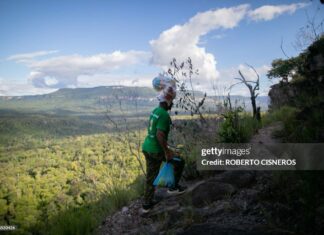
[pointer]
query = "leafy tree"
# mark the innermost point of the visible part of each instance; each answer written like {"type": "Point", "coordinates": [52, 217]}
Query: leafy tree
{"type": "Point", "coordinates": [282, 69]}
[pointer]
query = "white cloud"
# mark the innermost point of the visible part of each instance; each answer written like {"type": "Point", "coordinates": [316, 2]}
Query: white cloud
{"type": "Point", "coordinates": [19, 89]}
{"type": "Point", "coordinates": [268, 12]}
{"type": "Point", "coordinates": [29, 56]}
{"type": "Point", "coordinates": [182, 41]}
{"type": "Point", "coordinates": [250, 74]}
{"type": "Point", "coordinates": [218, 36]}
{"type": "Point", "coordinates": [66, 69]}
{"type": "Point", "coordinates": [115, 79]}
{"type": "Point", "coordinates": [50, 81]}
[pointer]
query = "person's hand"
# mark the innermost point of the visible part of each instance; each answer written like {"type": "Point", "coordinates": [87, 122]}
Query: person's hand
{"type": "Point", "coordinates": [177, 153]}
{"type": "Point", "coordinates": [169, 155]}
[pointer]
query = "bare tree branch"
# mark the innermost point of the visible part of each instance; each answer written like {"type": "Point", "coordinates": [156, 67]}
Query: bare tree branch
{"type": "Point", "coordinates": [281, 47]}
{"type": "Point", "coordinates": [252, 89]}
{"type": "Point", "coordinates": [127, 131]}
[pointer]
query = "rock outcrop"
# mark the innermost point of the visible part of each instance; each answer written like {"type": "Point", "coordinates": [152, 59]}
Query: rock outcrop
{"type": "Point", "coordinates": [227, 203]}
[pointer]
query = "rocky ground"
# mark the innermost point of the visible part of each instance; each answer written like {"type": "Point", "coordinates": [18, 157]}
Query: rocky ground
{"type": "Point", "coordinates": [227, 203]}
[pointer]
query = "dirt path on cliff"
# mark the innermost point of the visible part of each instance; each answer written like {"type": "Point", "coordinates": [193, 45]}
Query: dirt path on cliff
{"type": "Point", "coordinates": [265, 134]}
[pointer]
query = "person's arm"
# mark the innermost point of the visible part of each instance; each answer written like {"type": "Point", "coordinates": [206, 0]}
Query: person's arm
{"type": "Point", "coordinates": [160, 135]}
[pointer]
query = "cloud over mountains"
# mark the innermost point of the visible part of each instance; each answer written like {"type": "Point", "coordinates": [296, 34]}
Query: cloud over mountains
{"type": "Point", "coordinates": [63, 71]}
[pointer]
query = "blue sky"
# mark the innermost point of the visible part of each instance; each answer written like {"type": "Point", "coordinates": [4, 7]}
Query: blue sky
{"type": "Point", "coordinates": [46, 45]}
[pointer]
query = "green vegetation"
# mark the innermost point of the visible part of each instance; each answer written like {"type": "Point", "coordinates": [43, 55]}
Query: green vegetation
{"type": "Point", "coordinates": [284, 112]}
{"type": "Point", "coordinates": [15, 129]}
{"type": "Point", "coordinates": [66, 185]}
{"type": "Point", "coordinates": [28, 130]}
{"type": "Point", "coordinates": [237, 128]}
{"type": "Point", "coordinates": [86, 219]}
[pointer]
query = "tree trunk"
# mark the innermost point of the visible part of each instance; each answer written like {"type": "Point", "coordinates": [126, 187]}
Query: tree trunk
{"type": "Point", "coordinates": [254, 106]}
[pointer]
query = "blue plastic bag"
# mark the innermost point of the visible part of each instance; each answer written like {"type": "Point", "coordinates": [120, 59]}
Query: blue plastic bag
{"type": "Point", "coordinates": [165, 177]}
{"type": "Point", "coordinates": [161, 81]}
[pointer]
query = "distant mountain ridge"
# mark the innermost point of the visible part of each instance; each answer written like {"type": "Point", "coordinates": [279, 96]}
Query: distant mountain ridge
{"type": "Point", "coordinates": [78, 100]}
{"type": "Point", "coordinates": [99, 99]}
{"type": "Point", "coordinates": [85, 92]}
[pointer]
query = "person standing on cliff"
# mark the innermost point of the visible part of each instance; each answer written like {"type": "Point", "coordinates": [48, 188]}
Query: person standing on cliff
{"type": "Point", "coordinates": [155, 148]}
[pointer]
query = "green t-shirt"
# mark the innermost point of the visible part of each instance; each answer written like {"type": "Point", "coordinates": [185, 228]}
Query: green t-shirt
{"type": "Point", "coordinates": [159, 119]}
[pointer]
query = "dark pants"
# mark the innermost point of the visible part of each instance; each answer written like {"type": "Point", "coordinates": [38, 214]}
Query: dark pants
{"type": "Point", "coordinates": [153, 163]}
